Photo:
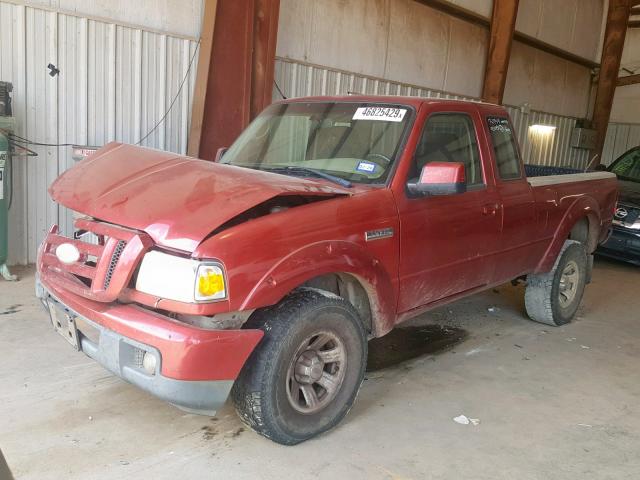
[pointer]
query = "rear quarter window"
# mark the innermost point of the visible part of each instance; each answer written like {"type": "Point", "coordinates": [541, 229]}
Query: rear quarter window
{"type": "Point", "coordinates": [504, 148]}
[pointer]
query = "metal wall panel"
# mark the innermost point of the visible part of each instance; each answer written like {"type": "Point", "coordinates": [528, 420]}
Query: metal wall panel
{"type": "Point", "coordinates": [620, 138]}
{"type": "Point", "coordinates": [115, 83]}
{"type": "Point", "coordinates": [553, 149]}
{"type": "Point", "coordinates": [297, 79]}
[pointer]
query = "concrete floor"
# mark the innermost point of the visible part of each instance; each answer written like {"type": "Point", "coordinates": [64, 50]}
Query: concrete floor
{"type": "Point", "coordinates": [552, 402]}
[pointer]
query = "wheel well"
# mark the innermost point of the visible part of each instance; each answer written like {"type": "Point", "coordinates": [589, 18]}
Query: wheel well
{"type": "Point", "coordinates": [585, 231]}
{"type": "Point", "coordinates": [580, 231]}
{"type": "Point", "coordinates": [351, 289]}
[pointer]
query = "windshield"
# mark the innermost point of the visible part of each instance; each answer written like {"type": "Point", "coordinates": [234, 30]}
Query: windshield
{"type": "Point", "coordinates": [356, 142]}
{"type": "Point", "coordinates": [627, 167]}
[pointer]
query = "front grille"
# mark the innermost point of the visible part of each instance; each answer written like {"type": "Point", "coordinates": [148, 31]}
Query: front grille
{"type": "Point", "coordinates": [98, 274]}
{"type": "Point", "coordinates": [626, 215]}
{"type": "Point", "coordinates": [113, 262]}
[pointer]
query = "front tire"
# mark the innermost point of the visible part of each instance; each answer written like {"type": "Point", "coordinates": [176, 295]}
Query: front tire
{"type": "Point", "coordinates": [553, 298]}
{"type": "Point", "coordinates": [303, 377]}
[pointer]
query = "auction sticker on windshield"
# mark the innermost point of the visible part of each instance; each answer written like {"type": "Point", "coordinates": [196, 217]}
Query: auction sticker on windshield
{"type": "Point", "coordinates": [385, 114]}
{"type": "Point", "coordinates": [366, 167]}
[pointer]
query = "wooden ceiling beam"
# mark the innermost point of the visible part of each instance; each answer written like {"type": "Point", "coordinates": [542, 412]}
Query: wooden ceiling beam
{"type": "Point", "coordinates": [503, 23]}
{"type": "Point", "coordinates": [628, 80]}
{"type": "Point", "coordinates": [477, 19]}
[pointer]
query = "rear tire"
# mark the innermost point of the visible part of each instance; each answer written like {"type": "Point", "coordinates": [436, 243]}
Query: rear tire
{"type": "Point", "coordinates": [303, 377]}
{"type": "Point", "coordinates": [553, 298]}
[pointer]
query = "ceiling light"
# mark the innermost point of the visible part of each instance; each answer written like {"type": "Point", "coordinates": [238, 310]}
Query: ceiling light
{"type": "Point", "coordinates": [542, 129]}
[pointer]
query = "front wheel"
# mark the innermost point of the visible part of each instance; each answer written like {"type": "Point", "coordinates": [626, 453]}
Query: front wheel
{"type": "Point", "coordinates": [553, 298]}
{"type": "Point", "coordinates": [305, 374]}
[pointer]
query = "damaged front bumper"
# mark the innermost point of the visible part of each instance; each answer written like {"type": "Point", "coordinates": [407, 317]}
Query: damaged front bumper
{"type": "Point", "coordinates": [193, 368]}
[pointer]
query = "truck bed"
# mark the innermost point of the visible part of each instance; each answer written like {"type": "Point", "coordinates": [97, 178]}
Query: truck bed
{"type": "Point", "coordinates": [544, 170]}
{"type": "Point", "coordinates": [554, 179]}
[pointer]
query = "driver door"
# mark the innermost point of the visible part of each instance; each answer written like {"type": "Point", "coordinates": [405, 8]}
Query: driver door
{"type": "Point", "coordinates": [447, 242]}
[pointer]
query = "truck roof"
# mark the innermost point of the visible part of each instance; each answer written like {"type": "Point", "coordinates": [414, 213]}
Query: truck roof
{"type": "Point", "coordinates": [415, 102]}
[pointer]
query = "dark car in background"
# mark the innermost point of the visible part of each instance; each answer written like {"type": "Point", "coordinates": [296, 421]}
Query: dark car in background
{"type": "Point", "coordinates": [624, 243]}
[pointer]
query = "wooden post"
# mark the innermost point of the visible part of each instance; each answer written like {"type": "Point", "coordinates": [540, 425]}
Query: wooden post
{"type": "Point", "coordinates": [235, 80]}
{"type": "Point", "coordinates": [614, 34]}
{"type": "Point", "coordinates": [503, 23]}
{"type": "Point", "coordinates": [264, 53]}
{"type": "Point", "coordinates": [226, 107]}
{"type": "Point", "coordinates": [202, 76]}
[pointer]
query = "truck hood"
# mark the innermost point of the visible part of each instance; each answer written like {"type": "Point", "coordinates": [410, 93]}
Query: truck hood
{"type": "Point", "coordinates": [177, 200]}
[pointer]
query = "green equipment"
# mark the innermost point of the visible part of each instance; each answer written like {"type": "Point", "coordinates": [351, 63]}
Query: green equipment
{"type": "Point", "coordinates": [5, 199]}
{"type": "Point", "coordinates": [6, 126]}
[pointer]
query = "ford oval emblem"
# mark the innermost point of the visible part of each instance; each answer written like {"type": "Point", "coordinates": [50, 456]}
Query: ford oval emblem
{"type": "Point", "coordinates": [67, 253]}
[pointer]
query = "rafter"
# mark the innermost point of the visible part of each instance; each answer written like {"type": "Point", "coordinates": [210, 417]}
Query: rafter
{"type": "Point", "coordinates": [628, 80]}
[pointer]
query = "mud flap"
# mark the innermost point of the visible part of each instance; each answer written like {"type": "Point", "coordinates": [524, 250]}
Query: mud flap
{"type": "Point", "coordinates": [589, 268]}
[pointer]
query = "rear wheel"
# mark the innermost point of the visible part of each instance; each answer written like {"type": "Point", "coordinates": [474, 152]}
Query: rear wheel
{"type": "Point", "coordinates": [304, 375]}
{"type": "Point", "coordinates": [553, 298]}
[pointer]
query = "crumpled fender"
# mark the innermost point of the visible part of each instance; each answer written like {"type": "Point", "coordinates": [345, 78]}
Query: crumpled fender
{"type": "Point", "coordinates": [583, 207]}
{"type": "Point", "coordinates": [329, 257]}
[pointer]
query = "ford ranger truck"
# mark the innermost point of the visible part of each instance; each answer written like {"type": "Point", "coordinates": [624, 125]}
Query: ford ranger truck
{"type": "Point", "coordinates": [328, 222]}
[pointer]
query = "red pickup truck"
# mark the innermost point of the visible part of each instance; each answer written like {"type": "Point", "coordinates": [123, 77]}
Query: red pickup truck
{"type": "Point", "coordinates": [328, 222]}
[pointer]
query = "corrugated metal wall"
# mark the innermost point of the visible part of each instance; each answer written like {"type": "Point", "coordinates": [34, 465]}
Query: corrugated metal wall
{"type": "Point", "coordinates": [552, 149]}
{"type": "Point", "coordinates": [620, 138]}
{"type": "Point", "coordinates": [297, 79]}
{"type": "Point", "coordinates": [115, 83]}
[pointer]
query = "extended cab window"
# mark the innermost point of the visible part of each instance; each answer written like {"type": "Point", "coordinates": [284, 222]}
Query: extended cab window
{"type": "Point", "coordinates": [449, 137]}
{"type": "Point", "coordinates": [504, 148]}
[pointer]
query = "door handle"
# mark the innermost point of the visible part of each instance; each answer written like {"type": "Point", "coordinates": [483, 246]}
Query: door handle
{"type": "Point", "coordinates": [490, 208]}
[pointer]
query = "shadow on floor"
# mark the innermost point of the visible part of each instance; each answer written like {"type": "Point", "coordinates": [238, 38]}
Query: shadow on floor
{"type": "Point", "coordinates": [404, 344]}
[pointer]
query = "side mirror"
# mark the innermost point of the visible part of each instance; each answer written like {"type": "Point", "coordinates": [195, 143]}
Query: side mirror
{"type": "Point", "coordinates": [440, 178]}
{"type": "Point", "coordinates": [220, 153]}
{"type": "Point", "coordinates": [600, 168]}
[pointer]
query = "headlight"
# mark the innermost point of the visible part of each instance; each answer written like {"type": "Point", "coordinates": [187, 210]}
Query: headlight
{"type": "Point", "coordinates": [182, 279]}
{"type": "Point", "coordinates": [210, 282]}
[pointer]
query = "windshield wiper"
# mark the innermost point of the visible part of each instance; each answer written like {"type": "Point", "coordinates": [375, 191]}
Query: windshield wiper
{"type": "Point", "coordinates": [318, 173]}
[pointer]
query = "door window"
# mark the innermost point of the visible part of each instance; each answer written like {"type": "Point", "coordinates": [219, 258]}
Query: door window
{"type": "Point", "coordinates": [504, 148]}
{"type": "Point", "coordinates": [449, 137]}
{"type": "Point", "coordinates": [627, 167]}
